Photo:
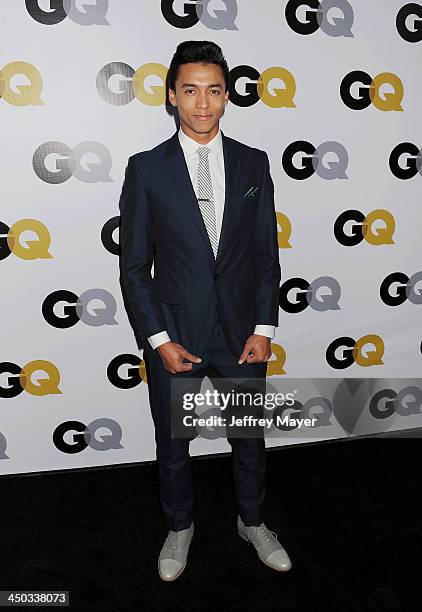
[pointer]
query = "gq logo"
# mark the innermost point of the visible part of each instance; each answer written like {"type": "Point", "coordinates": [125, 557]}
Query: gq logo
{"type": "Point", "coordinates": [85, 436]}
{"type": "Point", "coordinates": [305, 410]}
{"type": "Point", "coordinates": [370, 91]}
{"type": "Point", "coordinates": [405, 289]}
{"type": "Point", "coordinates": [311, 160]}
{"type": "Point", "coordinates": [126, 371]}
{"type": "Point", "coordinates": [3, 446]}
{"type": "Point", "coordinates": [107, 232]}
{"type": "Point", "coordinates": [68, 162]}
{"type": "Point", "coordinates": [397, 402]}
{"type": "Point", "coordinates": [76, 308]}
{"type": "Point", "coordinates": [21, 95]}
{"type": "Point", "coordinates": [362, 227]}
{"type": "Point", "coordinates": [259, 86]}
{"type": "Point", "coordinates": [305, 294]}
{"type": "Point", "coordinates": [184, 15]}
{"type": "Point", "coordinates": [133, 84]}
{"type": "Point", "coordinates": [10, 240]}
{"type": "Point", "coordinates": [20, 379]}
{"type": "Point", "coordinates": [352, 352]}
{"type": "Point", "coordinates": [317, 17]}
{"type": "Point", "coordinates": [284, 235]}
{"type": "Point", "coordinates": [93, 14]}
{"type": "Point", "coordinates": [410, 30]}
{"type": "Point", "coordinates": [411, 162]}
{"type": "Point", "coordinates": [275, 366]}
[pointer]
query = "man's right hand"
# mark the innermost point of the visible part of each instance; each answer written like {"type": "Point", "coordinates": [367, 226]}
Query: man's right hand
{"type": "Point", "coordinates": [172, 355]}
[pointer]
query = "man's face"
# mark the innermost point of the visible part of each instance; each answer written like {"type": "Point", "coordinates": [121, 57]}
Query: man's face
{"type": "Point", "coordinates": [200, 98]}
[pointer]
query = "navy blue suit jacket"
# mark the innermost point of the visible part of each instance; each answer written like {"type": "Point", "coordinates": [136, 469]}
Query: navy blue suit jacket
{"type": "Point", "coordinates": [160, 222]}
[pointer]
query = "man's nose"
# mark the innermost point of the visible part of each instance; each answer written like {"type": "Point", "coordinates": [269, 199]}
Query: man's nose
{"type": "Point", "coordinates": [203, 101]}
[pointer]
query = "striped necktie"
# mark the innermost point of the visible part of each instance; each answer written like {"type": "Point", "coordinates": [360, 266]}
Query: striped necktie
{"type": "Point", "coordinates": [206, 197]}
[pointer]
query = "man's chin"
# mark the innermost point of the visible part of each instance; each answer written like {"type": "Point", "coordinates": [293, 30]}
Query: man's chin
{"type": "Point", "coordinates": [204, 128]}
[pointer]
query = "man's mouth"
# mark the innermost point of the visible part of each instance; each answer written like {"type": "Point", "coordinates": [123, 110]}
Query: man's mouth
{"type": "Point", "coordinates": [202, 117]}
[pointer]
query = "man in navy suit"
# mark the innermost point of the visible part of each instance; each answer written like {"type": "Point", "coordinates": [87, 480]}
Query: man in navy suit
{"type": "Point", "coordinates": [200, 207]}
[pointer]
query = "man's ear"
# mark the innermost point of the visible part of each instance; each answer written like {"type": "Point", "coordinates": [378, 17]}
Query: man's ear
{"type": "Point", "coordinates": [172, 97]}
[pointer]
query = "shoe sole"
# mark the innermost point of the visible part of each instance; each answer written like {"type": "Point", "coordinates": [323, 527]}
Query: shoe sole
{"type": "Point", "coordinates": [277, 569]}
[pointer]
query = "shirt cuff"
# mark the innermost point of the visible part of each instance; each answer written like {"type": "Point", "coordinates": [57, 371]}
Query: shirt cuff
{"type": "Point", "coordinates": [265, 330]}
{"type": "Point", "coordinates": [157, 340]}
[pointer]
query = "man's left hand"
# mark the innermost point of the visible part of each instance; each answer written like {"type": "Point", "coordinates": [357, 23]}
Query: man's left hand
{"type": "Point", "coordinates": [259, 346]}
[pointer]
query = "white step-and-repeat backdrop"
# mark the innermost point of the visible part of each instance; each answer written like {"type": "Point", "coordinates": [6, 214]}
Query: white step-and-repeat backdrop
{"type": "Point", "coordinates": [331, 90]}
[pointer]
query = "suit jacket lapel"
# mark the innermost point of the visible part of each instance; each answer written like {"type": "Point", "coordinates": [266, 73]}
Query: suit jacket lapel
{"type": "Point", "coordinates": [176, 164]}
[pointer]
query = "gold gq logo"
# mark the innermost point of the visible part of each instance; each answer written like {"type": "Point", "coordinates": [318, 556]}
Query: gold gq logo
{"type": "Point", "coordinates": [20, 379]}
{"type": "Point", "coordinates": [19, 94]}
{"type": "Point", "coordinates": [11, 240]}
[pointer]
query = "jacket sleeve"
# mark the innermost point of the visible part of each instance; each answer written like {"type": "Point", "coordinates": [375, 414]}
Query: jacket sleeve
{"type": "Point", "coordinates": [267, 265]}
{"type": "Point", "coordinates": [136, 246]}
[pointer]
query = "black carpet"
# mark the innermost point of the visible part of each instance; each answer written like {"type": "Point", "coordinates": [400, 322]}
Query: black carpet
{"type": "Point", "coordinates": [348, 513]}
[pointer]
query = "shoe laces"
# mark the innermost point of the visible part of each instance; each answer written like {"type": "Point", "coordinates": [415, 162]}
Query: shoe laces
{"type": "Point", "coordinates": [267, 534]}
{"type": "Point", "coordinates": [172, 541]}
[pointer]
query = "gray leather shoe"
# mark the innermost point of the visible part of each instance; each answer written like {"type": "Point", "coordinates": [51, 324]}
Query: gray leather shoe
{"type": "Point", "coordinates": [269, 549]}
{"type": "Point", "coordinates": [174, 554]}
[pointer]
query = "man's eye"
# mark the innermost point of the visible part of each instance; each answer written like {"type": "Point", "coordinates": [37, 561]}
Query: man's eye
{"type": "Point", "coordinates": [188, 90]}
{"type": "Point", "coordinates": [217, 91]}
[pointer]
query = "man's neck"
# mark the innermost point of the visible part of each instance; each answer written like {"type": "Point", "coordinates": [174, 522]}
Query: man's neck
{"type": "Point", "coordinates": [201, 139]}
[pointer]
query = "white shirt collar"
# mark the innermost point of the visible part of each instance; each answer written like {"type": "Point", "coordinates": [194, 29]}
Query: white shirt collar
{"type": "Point", "coordinates": [190, 146]}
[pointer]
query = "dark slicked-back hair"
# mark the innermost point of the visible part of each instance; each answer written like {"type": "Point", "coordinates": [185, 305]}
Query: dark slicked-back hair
{"type": "Point", "coordinates": [196, 51]}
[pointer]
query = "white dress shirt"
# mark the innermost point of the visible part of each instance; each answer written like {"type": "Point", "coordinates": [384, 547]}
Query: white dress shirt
{"type": "Point", "coordinates": [216, 161]}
